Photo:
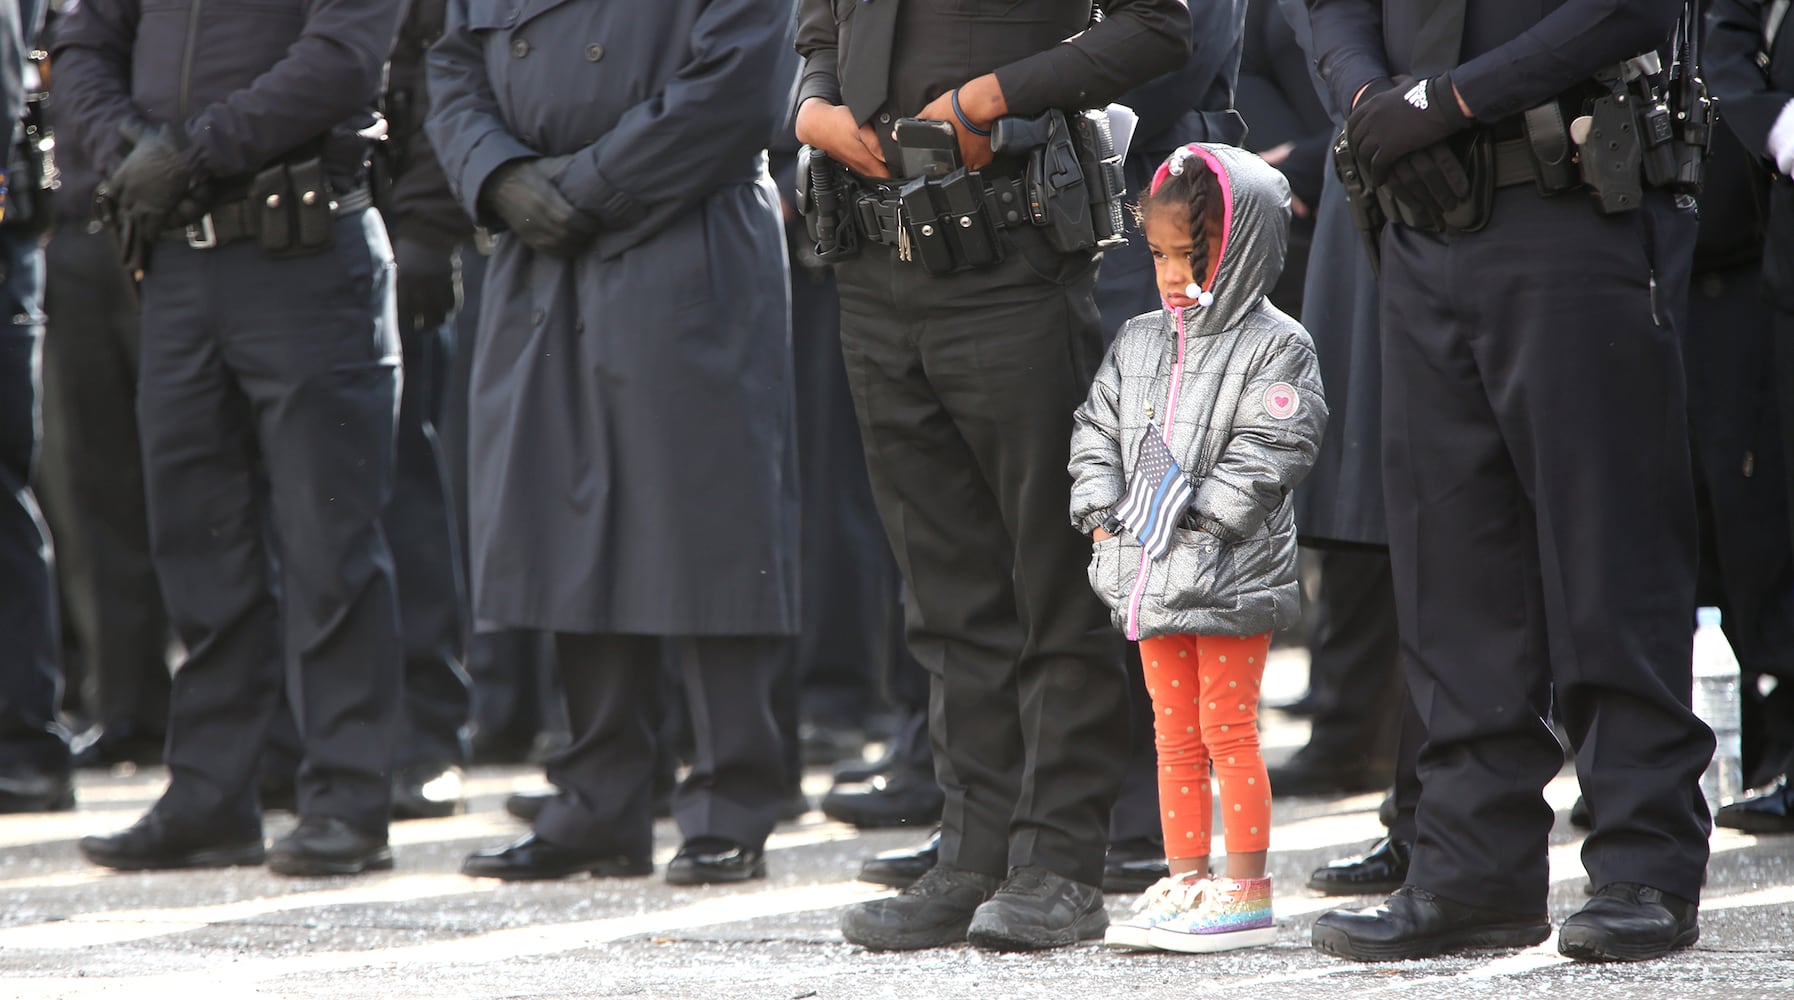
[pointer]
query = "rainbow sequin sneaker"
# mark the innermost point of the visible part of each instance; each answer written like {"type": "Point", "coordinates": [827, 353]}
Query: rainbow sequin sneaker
{"type": "Point", "coordinates": [1157, 903]}
{"type": "Point", "coordinates": [1216, 915]}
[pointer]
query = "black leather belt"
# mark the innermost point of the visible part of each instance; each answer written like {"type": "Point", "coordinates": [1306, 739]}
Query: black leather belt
{"type": "Point", "coordinates": [240, 219]}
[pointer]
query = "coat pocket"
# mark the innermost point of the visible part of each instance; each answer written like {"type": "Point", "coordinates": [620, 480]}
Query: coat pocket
{"type": "Point", "coordinates": [1197, 572]}
{"type": "Point", "coordinates": [1105, 570]}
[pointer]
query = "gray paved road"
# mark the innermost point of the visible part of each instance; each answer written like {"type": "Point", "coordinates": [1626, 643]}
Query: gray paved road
{"type": "Point", "coordinates": [69, 930]}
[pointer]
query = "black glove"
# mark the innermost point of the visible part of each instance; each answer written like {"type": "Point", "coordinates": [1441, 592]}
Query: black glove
{"type": "Point", "coordinates": [522, 193]}
{"type": "Point", "coordinates": [429, 284]}
{"type": "Point", "coordinates": [1410, 116]}
{"type": "Point", "coordinates": [152, 180]}
{"type": "Point", "coordinates": [1430, 180]}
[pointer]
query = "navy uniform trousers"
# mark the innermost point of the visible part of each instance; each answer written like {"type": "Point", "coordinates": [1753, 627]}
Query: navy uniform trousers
{"type": "Point", "coordinates": [91, 485]}
{"type": "Point", "coordinates": [964, 386]}
{"type": "Point", "coordinates": [31, 740]}
{"type": "Point", "coordinates": [1542, 537]}
{"type": "Point", "coordinates": [267, 408]}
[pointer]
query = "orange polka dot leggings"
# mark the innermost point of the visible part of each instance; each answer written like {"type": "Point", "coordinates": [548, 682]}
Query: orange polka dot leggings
{"type": "Point", "coordinates": [1205, 710]}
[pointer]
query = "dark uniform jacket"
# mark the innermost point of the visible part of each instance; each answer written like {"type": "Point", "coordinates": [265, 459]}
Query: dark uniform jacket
{"type": "Point", "coordinates": [944, 43]}
{"type": "Point", "coordinates": [1515, 55]}
{"type": "Point", "coordinates": [420, 205]}
{"type": "Point", "coordinates": [1750, 99]}
{"type": "Point", "coordinates": [632, 465]}
{"type": "Point", "coordinates": [247, 83]}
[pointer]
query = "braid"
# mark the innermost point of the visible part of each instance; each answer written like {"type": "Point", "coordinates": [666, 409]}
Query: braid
{"type": "Point", "coordinates": [1194, 194]}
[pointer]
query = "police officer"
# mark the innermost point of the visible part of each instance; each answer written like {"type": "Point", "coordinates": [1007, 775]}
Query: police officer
{"type": "Point", "coordinates": [428, 228]}
{"type": "Point", "coordinates": [267, 394]}
{"type": "Point", "coordinates": [1536, 466]}
{"type": "Point", "coordinates": [1751, 64]}
{"type": "Point", "coordinates": [34, 749]}
{"type": "Point", "coordinates": [633, 487]}
{"type": "Point", "coordinates": [964, 385]}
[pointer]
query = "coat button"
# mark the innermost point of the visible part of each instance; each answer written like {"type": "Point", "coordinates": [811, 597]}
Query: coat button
{"type": "Point", "coordinates": [594, 53]}
{"type": "Point", "coordinates": [884, 119]}
{"type": "Point", "coordinates": [519, 48]}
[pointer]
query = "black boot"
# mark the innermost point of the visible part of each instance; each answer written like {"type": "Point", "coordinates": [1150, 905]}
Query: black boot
{"type": "Point", "coordinates": [1628, 922]}
{"type": "Point", "coordinates": [1414, 923]}
{"type": "Point", "coordinates": [901, 868]}
{"type": "Point", "coordinates": [156, 842]}
{"type": "Point", "coordinates": [1036, 909]}
{"type": "Point", "coordinates": [325, 845]}
{"type": "Point", "coordinates": [933, 913]}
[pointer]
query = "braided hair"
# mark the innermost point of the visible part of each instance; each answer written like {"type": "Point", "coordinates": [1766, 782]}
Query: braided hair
{"type": "Point", "coordinates": [1194, 193]}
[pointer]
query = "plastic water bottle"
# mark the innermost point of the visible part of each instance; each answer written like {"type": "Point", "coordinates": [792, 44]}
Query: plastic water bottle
{"type": "Point", "coordinates": [1716, 701]}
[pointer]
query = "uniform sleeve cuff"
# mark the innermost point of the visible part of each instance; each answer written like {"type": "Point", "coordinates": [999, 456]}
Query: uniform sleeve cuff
{"type": "Point", "coordinates": [589, 190]}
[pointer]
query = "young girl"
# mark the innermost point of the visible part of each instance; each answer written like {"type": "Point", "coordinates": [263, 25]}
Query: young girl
{"type": "Point", "coordinates": [1203, 418]}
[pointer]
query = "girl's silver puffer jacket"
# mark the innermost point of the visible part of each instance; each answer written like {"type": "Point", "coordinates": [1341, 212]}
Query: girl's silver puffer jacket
{"type": "Point", "coordinates": [1249, 414]}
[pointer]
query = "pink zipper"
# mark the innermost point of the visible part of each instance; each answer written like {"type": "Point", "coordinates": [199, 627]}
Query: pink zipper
{"type": "Point", "coordinates": [1177, 381]}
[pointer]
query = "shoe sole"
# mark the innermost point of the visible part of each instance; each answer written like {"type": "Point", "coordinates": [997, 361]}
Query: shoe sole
{"type": "Point", "coordinates": [606, 869]}
{"type": "Point", "coordinates": [1586, 945]}
{"type": "Point", "coordinates": [1128, 937]}
{"type": "Point", "coordinates": [1335, 942]}
{"type": "Point", "coordinates": [683, 876]}
{"type": "Point", "coordinates": [231, 856]}
{"type": "Point", "coordinates": [300, 866]}
{"type": "Point", "coordinates": [1326, 888]}
{"type": "Point", "coordinates": [875, 939]}
{"type": "Point", "coordinates": [1088, 927]}
{"type": "Point", "coordinates": [1164, 939]}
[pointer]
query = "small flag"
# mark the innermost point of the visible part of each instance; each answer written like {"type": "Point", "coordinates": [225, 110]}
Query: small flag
{"type": "Point", "coordinates": [1156, 497]}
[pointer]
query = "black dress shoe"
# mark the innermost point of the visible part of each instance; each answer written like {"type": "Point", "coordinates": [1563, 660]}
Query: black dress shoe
{"type": "Point", "coordinates": [532, 858]}
{"type": "Point", "coordinates": [900, 868]}
{"type": "Point", "coordinates": [278, 795]}
{"type": "Point", "coordinates": [1035, 909]}
{"type": "Point", "coordinates": [709, 860]}
{"type": "Point", "coordinates": [1311, 772]}
{"type": "Point", "coordinates": [27, 790]}
{"type": "Point", "coordinates": [1134, 866]}
{"type": "Point", "coordinates": [1414, 923]}
{"type": "Point", "coordinates": [932, 913]}
{"type": "Point", "coordinates": [1771, 812]}
{"type": "Point", "coordinates": [1628, 922]}
{"type": "Point", "coordinates": [325, 845]}
{"type": "Point", "coordinates": [1380, 870]}
{"type": "Point", "coordinates": [429, 791]}
{"type": "Point", "coordinates": [156, 843]}
{"type": "Point", "coordinates": [1579, 815]}
{"type": "Point", "coordinates": [903, 797]}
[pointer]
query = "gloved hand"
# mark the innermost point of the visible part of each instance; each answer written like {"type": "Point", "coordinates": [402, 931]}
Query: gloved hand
{"type": "Point", "coordinates": [152, 180]}
{"type": "Point", "coordinates": [522, 193]}
{"type": "Point", "coordinates": [1431, 180]}
{"type": "Point", "coordinates": [429, 283]}
{"type": "Point", "coordinates": [1781, 140]}
{"type": "Point", "coordinates": [1412, 115]}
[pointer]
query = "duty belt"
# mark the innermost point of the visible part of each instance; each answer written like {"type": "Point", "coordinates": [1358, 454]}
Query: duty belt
{"type": "Point", "coordinates": [240, 219]}
{"type": "Point", "coordinates": [880, 209]}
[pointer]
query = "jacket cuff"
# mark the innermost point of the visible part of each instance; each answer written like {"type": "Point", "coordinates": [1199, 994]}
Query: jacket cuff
{"type": "Point", "coordinates": [587, 187]}
{"type": "Point", "coordinates": [1091, 520]}
{"type": "Point", "coordinates": [493, 150]}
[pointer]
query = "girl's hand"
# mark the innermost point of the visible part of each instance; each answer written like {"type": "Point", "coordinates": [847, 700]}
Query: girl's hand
{"type": "Point", "coordinates": [1099, 535]}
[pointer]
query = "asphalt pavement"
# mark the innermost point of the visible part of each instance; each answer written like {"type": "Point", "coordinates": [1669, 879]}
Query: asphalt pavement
{"type": "Point", "coordinates": [68, 929]}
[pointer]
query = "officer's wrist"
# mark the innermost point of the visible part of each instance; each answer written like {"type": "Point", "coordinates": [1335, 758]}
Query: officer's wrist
{"type": "Point", "coordinates": [981, 100]}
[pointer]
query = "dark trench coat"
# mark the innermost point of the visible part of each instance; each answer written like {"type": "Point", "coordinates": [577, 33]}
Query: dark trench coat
{"type": "Point", "coordinates": [632, 465]}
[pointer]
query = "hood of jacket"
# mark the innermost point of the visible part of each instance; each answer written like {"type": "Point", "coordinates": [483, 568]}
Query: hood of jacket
{"type": "Point", "coordinates": [1254, 237]}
